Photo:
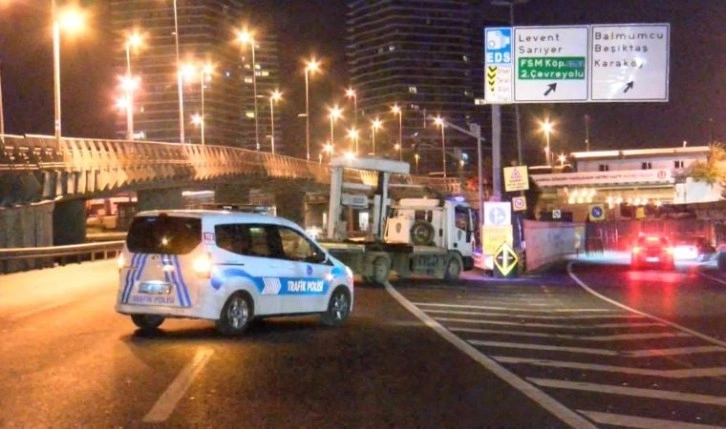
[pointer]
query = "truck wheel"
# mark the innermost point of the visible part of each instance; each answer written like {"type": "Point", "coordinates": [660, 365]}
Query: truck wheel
{"type": "Point", "coordinates": [453, 268]}
{"type": "Point", "coordinates": [235, 315]}
{"type": "Point", "coordinates": [422, 233]}
{"type": "Point", "coordinates": [338, 308]}
{"type": "Point", "coordinates": [147, 322]}
{"type": "Point", "coordinates": [380, 271]}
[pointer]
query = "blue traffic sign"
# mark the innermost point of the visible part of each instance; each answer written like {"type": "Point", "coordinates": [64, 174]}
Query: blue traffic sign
{"type": "Point", "coordinates": [498, 46]}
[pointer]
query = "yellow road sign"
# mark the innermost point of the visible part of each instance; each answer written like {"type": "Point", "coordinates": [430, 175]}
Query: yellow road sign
{"type": "Point", "coordinates": [505, 259]}
{"type": "Point", "coordinates": [516, 178]}
{"type": "Point", "coordinates": [494, 236]}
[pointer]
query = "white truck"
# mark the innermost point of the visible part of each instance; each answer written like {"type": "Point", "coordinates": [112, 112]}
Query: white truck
{"type": "Point", "coordinates": [411, 236]}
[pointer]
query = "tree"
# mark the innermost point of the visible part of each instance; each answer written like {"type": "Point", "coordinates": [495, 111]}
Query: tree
{"type": "Point", "coordinates": [713, 170]}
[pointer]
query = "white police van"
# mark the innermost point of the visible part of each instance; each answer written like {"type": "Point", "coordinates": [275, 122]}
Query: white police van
{"type": "Point", "coordinates": [229, 267]}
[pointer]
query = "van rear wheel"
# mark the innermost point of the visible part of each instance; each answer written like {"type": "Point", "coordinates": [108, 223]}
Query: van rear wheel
{"type": "Point", "coordinates": [235, 315]}
{"type": "Point", "coordinates": [147, 322]}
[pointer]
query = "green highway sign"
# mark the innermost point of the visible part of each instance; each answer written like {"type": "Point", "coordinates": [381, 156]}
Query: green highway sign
{"type": "Point", "coordinates": [546, 68]}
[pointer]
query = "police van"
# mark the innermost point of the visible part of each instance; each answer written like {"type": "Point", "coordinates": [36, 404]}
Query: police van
{"type": "Point", "coordinates": [229, 267]}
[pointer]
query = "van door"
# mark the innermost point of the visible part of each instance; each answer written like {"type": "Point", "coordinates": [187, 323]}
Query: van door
{"type": "Point", "coordinates": [307, 291]}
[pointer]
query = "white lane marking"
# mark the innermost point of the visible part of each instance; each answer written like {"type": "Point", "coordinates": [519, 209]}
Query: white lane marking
{"type": "Point", "coordinates": [583, 350]}
{"type": "Point", "coordinates": [547, 402]}
{"type": "Point", "coordinates": [625, 307]}
{"type": "Point", "coordinates": [541, 317]}
{"type": "Point", "coordinates": [166, 403]}
{"type": "Point", "coordinates": [674, 351]}
{"type": "Point", "coordinates": [621, 337]}
{"type": "Point", "coordinates": [630, 391]}
{"type": "Point", "coordinates": [549, 325]}
{"type": "Point", "coordinates": [524, 310]}
{"type": "Point", "coordinates": [716, 279]}
{"type": "Point", "coordinates": [602, 352]}
{"type": "Point", "coordinates": [641, 422]}
{"type": "Point", "coordinates": [671, 373]}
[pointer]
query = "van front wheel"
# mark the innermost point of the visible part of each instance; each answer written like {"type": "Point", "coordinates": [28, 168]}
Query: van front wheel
{"type": "Point", "coordinates": [338, 308]}
{"type": "Point", "coordinates": [236, 315]}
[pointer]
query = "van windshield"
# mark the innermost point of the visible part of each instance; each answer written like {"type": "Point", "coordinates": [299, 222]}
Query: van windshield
{"type": "Point", "coordinates": [171, 235]}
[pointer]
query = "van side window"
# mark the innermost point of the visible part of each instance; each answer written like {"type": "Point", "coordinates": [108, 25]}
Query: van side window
{"type": "Point", "coordinates": [260, 240]}
{"type": "Point", "coordinates": [233, 238]}
{"type": "Point", "coordinates": [298, 247]}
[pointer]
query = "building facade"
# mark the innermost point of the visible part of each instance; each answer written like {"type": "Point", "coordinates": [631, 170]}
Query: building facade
{"type": "Point", "coordinates": [206, 35]}
{"type": "Point", "coordinates": [622, 181]}
{"type": "Point", "coordinates": [425, 56]}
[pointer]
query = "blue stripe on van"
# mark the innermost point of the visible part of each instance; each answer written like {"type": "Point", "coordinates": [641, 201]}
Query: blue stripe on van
{"type": "Point", "coordinates": [180, 281]}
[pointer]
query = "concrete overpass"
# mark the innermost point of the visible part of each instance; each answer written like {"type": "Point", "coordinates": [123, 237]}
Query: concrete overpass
{"type": "Point", "coordinates": [45, 182]}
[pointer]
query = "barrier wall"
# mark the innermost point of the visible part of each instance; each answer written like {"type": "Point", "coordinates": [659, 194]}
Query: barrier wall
{"type": "Point", "coordinates": [25, 226]}
{"type": "Point", "coordinates": [552, 241]}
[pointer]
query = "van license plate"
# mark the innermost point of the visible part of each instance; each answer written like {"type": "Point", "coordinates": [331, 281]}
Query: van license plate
{"type": "Point", "coordinates": [155, 288]}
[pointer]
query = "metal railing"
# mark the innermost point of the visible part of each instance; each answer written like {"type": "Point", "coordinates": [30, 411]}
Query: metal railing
{"type": "Point", "coordinates": [30, 258]}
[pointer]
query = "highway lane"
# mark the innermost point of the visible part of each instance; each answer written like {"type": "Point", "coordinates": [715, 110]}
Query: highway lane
{"type": "Point", "coordinates": [68, 360]}
{"type": "Point", "coordinates": [599, 360]}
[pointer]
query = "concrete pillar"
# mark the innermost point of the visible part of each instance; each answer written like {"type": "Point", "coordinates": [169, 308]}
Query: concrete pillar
{"type": "Point", "coordinates": [69, 222]}
{"type": "Point", "coordinates": [160, 199]}
{"type": "Point", "coordinates": [289, 201]}
{"type": "Point", "coordinates": [25, 226]}
{"type": "Point", "coordinates": [232, 193]}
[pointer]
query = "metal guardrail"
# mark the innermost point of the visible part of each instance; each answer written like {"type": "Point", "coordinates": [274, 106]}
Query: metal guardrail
{"type": "Point", "coordinates": [11, 260]}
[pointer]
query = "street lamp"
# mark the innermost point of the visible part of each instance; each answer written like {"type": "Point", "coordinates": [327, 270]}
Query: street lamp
{"type": "Point", "coordinates": [335, 113]}
{"type": "Point", "coordinates": [440, 122]}
{"type": "Point", "coordinates": [396, 110]}
{"type": "Point", "coordinates": [179, 86]}
{"type": "Point", "coordinates": [416, 158]}
{"type": "Point", "coordinates": [71, 20]}
{"type": "Point", "coordinates": [205, 72]}
{"type": "Point", "coordinates": [353, 135]}
{"type": "Point", "coordinates": [350, 93]}
{"type": "Point", "coordinates": [133, 41]}
{"type": "Point", "coordinates": [375, 126]}
{"type": "Point", "coordinates": [2, 115]}
{"type": "Point", "coordinates": [198, 120]}
{"type": "Point", "coordinates": [276, 95]}
{"type": "Point", "coordinates": [310, 67]}
{"type": "Point", "coordinates": [245, 37]}
{"type": "Point", "coordinates": [547, 128]}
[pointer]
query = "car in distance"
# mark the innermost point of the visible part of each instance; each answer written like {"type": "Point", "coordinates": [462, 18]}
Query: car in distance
{"type": "Point", "coordinates": [228, 267]}
{"type": "Point", "coordinates": [691, 248]}
{"type": "Point", "coordinates": [652, 251]}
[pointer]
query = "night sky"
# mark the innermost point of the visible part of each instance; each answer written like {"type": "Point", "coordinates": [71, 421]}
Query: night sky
{"type": "Point", "coordinates": [696, 110]}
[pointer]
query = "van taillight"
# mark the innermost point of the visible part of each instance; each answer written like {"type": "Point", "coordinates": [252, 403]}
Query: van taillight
{"type": "Point", "coordinates": [202, 265]}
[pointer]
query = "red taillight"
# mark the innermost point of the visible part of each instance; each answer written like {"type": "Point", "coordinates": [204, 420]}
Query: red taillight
{"type": "Point", "coordinates": [202, 265]}
{"type": "Point", "coordinates": [669, 250]}
{"type": "Point", "coordinates": [636, 249]}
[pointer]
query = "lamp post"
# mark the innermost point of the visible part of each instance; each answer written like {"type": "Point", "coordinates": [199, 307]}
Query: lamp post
{"type": "Point", "coordinates": [198, 120]}
{"type": "Point", "coordinates": [2, 115]}
{"type": "Point", "coordinates": [248, 37]}
{"type": "Point", "coordinates": [310, 67]}
{"type": "Point", "coordinates": [72, 20]}
{"type": "Point", "coordinates": [375, 126]}
{"type": "Point", "coordinates": [335, 113]}
{"type": "Point", "coordinates": [396, 110]}
{"type": "Point", "coordinates": [180, 89]}
{"type": "Point", "coordinates": [353, 135]}
{"type": "Point", "coordinates": [547, 127]}
{"type": "Point", "coordinates": [132, 41]}
{"type": "Point", "coordinates": [276, 95]}
{"type": "Point", "coordinates": [440, 122]}
{"type": "Point", "coordinates": [350, 93]}
{"type": "Point", "coordinates": [204, 75]}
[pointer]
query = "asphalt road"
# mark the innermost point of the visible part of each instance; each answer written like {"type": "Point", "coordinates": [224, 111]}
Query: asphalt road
{"type": "Point", "coordinates": [540, 351]}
